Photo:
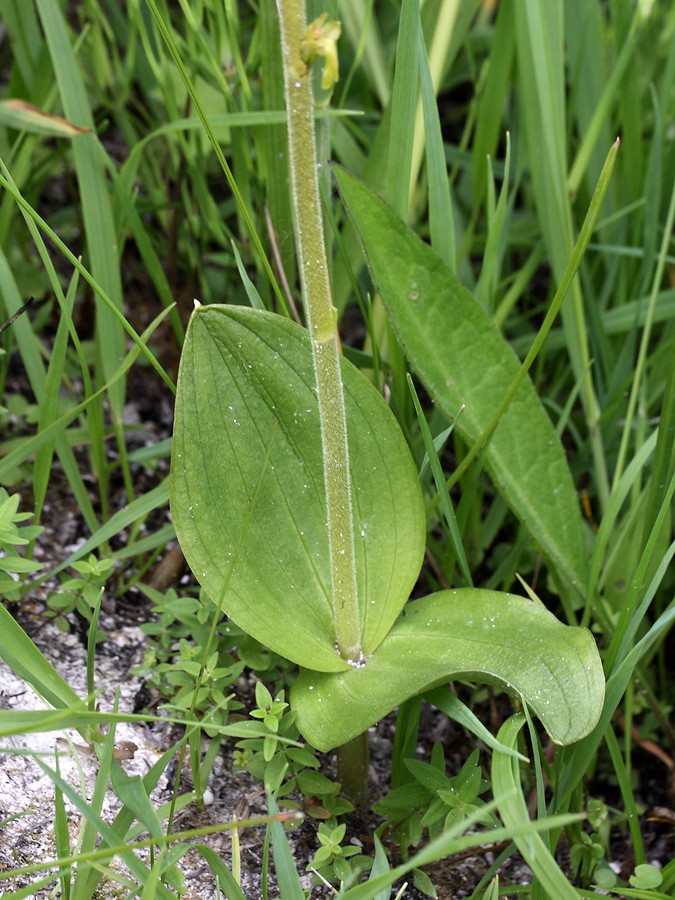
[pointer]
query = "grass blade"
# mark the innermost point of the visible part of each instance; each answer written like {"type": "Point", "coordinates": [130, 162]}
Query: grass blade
{"type": "Point", "coordinates": [513, 810]}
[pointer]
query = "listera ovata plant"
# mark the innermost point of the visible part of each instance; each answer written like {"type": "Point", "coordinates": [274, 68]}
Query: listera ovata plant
{"type": "Point", "coordinates": [297, 502]}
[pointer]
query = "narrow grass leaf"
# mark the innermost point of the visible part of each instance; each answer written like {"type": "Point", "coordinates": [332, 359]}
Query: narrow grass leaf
{"type": "Point", "coordinates": [43, 386]}
{"type": "Point", "coordinates": [30, 890]}
{"type": "Point", "coordinates": [157, 539]}
{"type": "Point", "coordinates": [445, 501]}
{"type": "Point", "coordinates": [610, 516]}
{"type": "Point", "coordinates": [26, 38]}
{"type": "Point", "coordinates": [380, 867]}
{"type": "Point", "coordinates": [24, 658]}
{"type": "Point", "coordinates": [125, 817]}
{"type": "Point", "coordinates": [149, 891]}
{"type": "Point", "coordinates": [221, 872]}
{"type": "Point", "coordinates": [486, 289]}
{"type": "Point", "coordinates": [49, 405]}
{"type": "Point", "coordinates": [27, 209]}
{"type": "Point", "coordinates": [61, 836]}
{"type": "Point", "coordinates": [144, 243]}
{"type": "Point", "coordinates": [539, 45]}
{"type": "Point", "coordinates": [641, 362]}
{"type": "Point", "coordinates": [459, 712]}
{"type": "Point", "coordinates": [140, 508]}
{"type": "Point", "coordinates": [91, 650]}
{"type": "Point", "coordinates": [664, 454]}
{"type": "Point", "coordinates": [135, 865]}
{"type": "Point", "coordinates": [254, 297]}
{"type": "Point", "coordinates": [363, 29]}
{"type": "Point", "coordinates": [441, 220]}
{"type": "Point", "coordinates": [274, 140]}
{"type": "Point", "coordinates": [107, 852]}
{"type": "Point", "coordinates": [578, 758]}
{"type": "Point", "coordinates": [454, 841]}
{"type": "Point", "coordinates": [30, 721]}
{"type": "Point", "coordinates": [403, 107]}
{"type": "Point", "coordinates": [87, 876]}
{"type": "Point", "coordinates": [284, 864]}
{"type": "Point", "coordinates": [131, 791]}
{"type": "Point", "coordinates": [623, 777]}
{"type": "Point", "coordinates": [513, 810]}
{"type": "Point", "coordinates": [102, 243]}
{"type": "Point", "coordinates": [596, 90]}
{"type": "Point", "coordinates": [638, 599]}
{"type": "Point", "coordinates": [168, 37]}
{"type": "Point", "coordinates": [491, 103]}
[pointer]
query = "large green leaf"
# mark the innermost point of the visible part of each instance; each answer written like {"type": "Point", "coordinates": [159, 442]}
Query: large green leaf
{"type": "Point", "coordinates": [470, 633]}
{"type": "Point", "coordinates": [247, 489]}
{"type": "Point", "coordinates": [464, 362]}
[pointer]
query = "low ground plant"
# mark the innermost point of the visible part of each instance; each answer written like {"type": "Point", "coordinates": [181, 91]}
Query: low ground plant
{"type": "Point", "coordinates": [422, 436]}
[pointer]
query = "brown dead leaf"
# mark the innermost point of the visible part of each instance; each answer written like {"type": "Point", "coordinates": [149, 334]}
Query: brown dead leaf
{"type": "Point", "coordinates": [25, 117]}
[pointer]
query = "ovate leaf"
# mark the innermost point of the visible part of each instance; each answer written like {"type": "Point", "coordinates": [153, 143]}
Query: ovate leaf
{"type": "Point", "coordinates": [480, 635]}
{"type": "Point", "coordinates": [464, 362]}
{"type": "Point", "coordinates": [247, 488]}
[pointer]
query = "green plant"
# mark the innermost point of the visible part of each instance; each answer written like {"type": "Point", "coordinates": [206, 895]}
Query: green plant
{"type": "Point", "coordinates": [179, 637]}
{"type": "Point", "coordinates": [80, 594]}
{"type": "Point", "coordinates": [319, 563]}
{"type": "Point", "coordinates": [484, 128]}
{"type": "Point", "coordinates": [589, 849]}
{"type": "Point", "coordinates": [13, 535]}
{"type": "Point", "coordinates": [433, 802]}
{"type": "Point", "coordinates": [278, 759]}
{"type": "Point", "coordinates": [334, 862]}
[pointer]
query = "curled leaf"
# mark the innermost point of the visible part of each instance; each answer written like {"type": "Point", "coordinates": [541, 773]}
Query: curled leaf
{"type": "Point", "coordinates": [476, 634]}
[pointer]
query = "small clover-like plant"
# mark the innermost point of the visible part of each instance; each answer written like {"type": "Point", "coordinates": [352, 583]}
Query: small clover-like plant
{"type": "Point", "coordinates": [12, 536]}
{"type": "Point", "coordinates": [79, 593]}
{"type": "Point", "coordinates": [334, 861]}
{"type": "Point", "coordinates": [297, 502]}
{"type": "Point", "coordinates": [270, 711]}
{"type": "Point", "coordinates": [433, 801]}
{"type": "Point", "coordinates": [174, 658]}
{"type": "Point", "coordinates": [287, 768]}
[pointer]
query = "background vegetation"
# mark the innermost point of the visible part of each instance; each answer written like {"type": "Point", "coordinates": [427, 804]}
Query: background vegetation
{"type": "Point", "coordinates": [116, 212]}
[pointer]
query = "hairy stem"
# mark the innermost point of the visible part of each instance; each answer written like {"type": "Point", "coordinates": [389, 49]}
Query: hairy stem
{"type": "Point", "coordinates": [322, 325]}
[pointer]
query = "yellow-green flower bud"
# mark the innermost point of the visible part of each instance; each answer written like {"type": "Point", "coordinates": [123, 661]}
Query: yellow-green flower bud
{"type": "Point", "coordinates": [321, 39]}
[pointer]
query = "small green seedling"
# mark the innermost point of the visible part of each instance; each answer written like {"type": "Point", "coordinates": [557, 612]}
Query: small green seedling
{"type": "Point", "coordinates": [79, 594]}
{"type": "Point", "coordinates": [334, 862]}
{"type": "Point", "coordinates": [13, 535]}
{"type": "Point", "coordinates": [433, 801]}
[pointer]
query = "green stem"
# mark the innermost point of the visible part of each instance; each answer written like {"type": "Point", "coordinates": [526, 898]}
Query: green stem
{"type": "Point", "coordinates": [352, 762]}
{"type": "Point", "coordinates": [322, 325]}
